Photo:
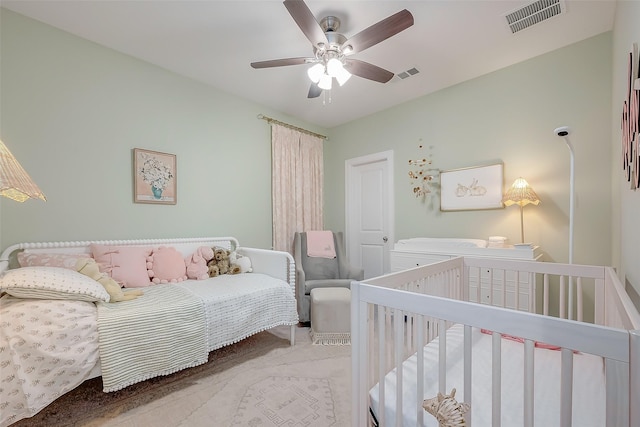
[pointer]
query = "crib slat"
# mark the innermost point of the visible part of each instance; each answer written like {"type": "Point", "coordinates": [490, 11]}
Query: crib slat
{"type": "Point", "coordinates": [566, 387]}
{"type": "Point", "coordinates": [563, 314]}
{"type": "Point", "coordinates": [420, 369]}
{"type": "Point", "coordinates": [496, 379]}
{"type": "Point", "coordinates": [528, 382]}
{"type": "Point", "coordinates": [442, 356]}
{"type": "Point", "coordinates": [580, 301]}
{"type": "Point", "coordinates": [570, 317]}
{"type": "Point", "coordinates": [382, 362]}
{"type": "Point", "coordinates": [397, 316]}
{"type": "Point", "coordinates": [617, 383]}
{"type": "Point", "coordinates": [468, 355]}
{"type": "Point", "coordinates": [545, 296]}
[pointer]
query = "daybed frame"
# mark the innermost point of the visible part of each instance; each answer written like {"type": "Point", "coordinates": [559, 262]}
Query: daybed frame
{"type": "Point", "coordinates": [431, 298]}
{"type": "Point", "coordinates": [274, 263]}
{"type": "Point", "coordinates": [278, 265]}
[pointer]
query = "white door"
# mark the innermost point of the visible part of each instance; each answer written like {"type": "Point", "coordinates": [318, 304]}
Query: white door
{"type": "Point", "coordinates": [369, 212]}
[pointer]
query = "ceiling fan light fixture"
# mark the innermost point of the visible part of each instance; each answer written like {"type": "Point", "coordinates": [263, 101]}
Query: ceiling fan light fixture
{"type": "Point", "coordinates": [325, 82]}
{"type": "Point", "coordinates": [334, 67]}
{"type": "Point", "coordinates": [343, 76]}
{"type": "Point", "coordinates": [315, 72]}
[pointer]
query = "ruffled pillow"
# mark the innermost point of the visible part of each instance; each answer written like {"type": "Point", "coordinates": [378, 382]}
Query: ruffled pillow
{"type": "Point", "coordinates": [166, 265]}
{"type": "Point", "coordinates": [127, 265]}
{"type": "Point", "coordinates": [52, 283]}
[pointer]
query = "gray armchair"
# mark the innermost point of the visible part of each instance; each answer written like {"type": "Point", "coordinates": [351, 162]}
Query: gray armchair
{"type": "Point", "coordinates": [312, 272]}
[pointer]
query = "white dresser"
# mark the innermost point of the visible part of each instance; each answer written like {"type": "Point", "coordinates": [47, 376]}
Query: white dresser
{"type": "Point", "coordinates": [411, 253]}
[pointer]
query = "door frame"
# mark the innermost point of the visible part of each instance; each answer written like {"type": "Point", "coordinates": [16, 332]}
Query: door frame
{"type": "Point", "coordinates": [350, 166]}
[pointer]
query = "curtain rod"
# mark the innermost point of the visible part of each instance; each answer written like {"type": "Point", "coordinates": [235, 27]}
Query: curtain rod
{"type": "Point", "coordinates": [287, 125]}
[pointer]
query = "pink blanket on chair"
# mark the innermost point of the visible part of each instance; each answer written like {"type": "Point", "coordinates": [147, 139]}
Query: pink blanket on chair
{"type": "Point", "coordinates": [320, 244]}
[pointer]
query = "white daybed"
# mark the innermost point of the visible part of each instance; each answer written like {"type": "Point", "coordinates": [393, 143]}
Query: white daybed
{"type": "Point", "coordinates": [50, 346]}
{"type": "Point", "coordinates": [425, 323]}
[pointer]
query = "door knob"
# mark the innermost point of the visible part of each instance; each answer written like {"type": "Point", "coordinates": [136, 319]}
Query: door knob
{"type": "Point", "coordinates": [385, 239]}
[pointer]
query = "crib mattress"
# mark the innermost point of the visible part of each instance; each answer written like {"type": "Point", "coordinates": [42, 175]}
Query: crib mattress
{"type": "Point", "coordinates": [588, 387]}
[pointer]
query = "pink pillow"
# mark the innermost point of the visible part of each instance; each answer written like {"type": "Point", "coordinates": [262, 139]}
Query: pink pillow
{"type": "Point", "coordinates": [40, 259]}
{"type": "Point", "coordinates": [166, 265]}
{"type": "Point", "coordinates": [127, 265]}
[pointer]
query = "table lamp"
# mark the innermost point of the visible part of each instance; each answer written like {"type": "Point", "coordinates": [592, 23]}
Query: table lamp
{"type": "Point", "coordinates": [520, 194]}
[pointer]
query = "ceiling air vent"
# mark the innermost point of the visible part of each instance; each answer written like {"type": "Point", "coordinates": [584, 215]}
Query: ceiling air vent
{"type": "Point", "coordinates": [406, 74]}
{"type": "Point", "coordinates": [534, 13]}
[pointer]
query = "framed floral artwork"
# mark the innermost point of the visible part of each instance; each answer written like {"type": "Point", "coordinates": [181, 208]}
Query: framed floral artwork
{"type": "Point", "coordinates": [471, 188]}
{"type": "Point", "coordinates": [154, 177]}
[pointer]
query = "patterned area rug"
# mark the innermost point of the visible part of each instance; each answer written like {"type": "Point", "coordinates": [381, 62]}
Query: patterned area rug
{"type": "Point", "coordinates": [287, 401]}
{"type": "Point", "coordinates": [261, 381]}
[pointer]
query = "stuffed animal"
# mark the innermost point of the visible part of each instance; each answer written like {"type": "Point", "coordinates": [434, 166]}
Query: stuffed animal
{"type": "Point", "coordinates": [197, 263]}
{"type": "Point", "coordinates": [222, 260]}
{"type": "Point", "coordinates": [243, 262]}
{"type": "Point", "coordinates": [213, 269]}
{"type": "Point", "coordinates": [221, 257]}
{"type": "Point", "coordinates": [89, 267]}
{"type": "Point", "coordinates": [447, 410]}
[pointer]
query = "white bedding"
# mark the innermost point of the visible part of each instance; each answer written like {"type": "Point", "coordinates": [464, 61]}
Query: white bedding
{"type": "Point", "coordinates": [55, 344]}
{"type": "Point", "coordinates": [588, 389]}
{"type": "Point", "coordinates": [48, 347]}
{"type": "Point", "coordinates": [234, 306]}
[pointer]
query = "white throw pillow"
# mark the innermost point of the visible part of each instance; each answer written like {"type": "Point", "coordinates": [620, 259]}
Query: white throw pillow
{"type": "Point", "coordinates": [52, 283]}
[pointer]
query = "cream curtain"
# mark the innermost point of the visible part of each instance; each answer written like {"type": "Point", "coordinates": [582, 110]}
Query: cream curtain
{"type": "Point", "coordinates": [296, 190]}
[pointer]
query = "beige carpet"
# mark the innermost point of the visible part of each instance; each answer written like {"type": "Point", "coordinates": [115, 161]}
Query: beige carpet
{"type": "Point", "coordinates": [259, 382]}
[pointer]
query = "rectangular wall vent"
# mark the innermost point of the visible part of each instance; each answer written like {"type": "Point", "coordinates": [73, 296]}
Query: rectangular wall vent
{"type": "Point", "coordinates": [534, 13]}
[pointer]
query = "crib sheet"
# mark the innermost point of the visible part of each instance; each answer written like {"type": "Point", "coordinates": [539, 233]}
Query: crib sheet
{"type": "Point", "coordinates": [588, 388]}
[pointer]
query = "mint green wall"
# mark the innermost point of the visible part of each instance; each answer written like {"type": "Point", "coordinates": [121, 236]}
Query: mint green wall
{"type": "Point", "coordinates": [507, 116]}
{"type": "Point", "coordinates": [626, 206]}
{"type": "Point", "coordinates": [72, 111]}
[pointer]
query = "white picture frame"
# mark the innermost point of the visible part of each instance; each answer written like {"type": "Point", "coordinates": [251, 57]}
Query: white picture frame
{"type": "Point", "coordinates": [472, 188]}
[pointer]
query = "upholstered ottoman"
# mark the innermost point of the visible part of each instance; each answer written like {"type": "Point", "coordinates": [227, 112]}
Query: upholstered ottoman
{"type": "Point", "coordinates": [331, 316]}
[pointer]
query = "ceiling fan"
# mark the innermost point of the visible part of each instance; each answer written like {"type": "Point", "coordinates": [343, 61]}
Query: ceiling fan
{"type": "Point", "coordinates": [332, 50]}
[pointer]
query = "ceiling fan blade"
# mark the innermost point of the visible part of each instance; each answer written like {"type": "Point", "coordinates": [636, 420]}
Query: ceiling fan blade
{"type": "Point", "coordinates": [314, 91]}
{"type": "Point", "coordinates": [307, 22]}
{"type": "Point", "coordinates": [280, 62]}
{"type": "Point", "coordinates": [368, 71]}
{"type": "Point", "coordinates": [378, 32]}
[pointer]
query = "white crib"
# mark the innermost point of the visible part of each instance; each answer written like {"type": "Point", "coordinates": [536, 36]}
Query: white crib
{"type": "Point", "coordinates": [591, 379]}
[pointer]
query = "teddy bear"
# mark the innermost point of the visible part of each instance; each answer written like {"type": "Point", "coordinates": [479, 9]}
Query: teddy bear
{"type": "Point", "coordinates": [89, 267]}
{"type": "Point", "coordinates": [212, 266]}
{"type": "Point", "coordinates": [197, 263]}
{"type": "Point", "coordinates": [221, 257]}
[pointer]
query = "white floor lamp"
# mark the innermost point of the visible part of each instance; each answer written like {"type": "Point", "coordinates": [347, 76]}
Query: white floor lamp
{"type": "Point", "coordinates": [564, 132]}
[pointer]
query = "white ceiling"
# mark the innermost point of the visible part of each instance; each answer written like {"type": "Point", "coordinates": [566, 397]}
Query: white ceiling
{"type": "Point", "coordinates": [214, 42]}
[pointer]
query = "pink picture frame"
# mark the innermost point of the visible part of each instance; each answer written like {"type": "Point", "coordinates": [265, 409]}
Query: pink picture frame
{"type": "Point", "coordinates": [154, 177]}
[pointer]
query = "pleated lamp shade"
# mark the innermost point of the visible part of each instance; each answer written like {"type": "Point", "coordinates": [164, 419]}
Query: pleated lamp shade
{"type": "Point", "coordinates": [15, 182]}
{"type": "Point", "coordinates": [520, 194]}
